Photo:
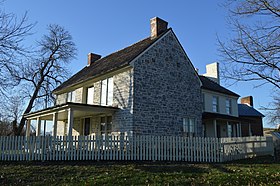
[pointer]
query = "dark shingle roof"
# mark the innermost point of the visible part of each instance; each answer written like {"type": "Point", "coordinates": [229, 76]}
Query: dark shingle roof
{"type": "Point", "coordinates": [246, 110]}
{"type": "Point", "coordinates": [109, 63]}
{"type": "Point", "coordinates": [213, 86]}
{"type": "Point", "coordinates": [211, 115]}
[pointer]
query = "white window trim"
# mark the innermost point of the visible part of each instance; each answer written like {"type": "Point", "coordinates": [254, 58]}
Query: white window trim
{"type": "Point", "coordinates": [106, 96]}
{"type": "Point", "coordinates": [88, 101]}
{"type": "Point", "coordinates": [228, 106]}
{"type": "Point", "coordinates": [188, 128]}
{"type": "Point", "coordinates": [216, 104]}
{"type": "Point", "coordinates": [105, 124]}
{"type": "Point", "coordinates": [72, 95]}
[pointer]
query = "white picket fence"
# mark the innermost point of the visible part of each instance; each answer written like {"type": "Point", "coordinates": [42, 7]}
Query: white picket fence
{"type": "Point", "coordinates": [137, 148]}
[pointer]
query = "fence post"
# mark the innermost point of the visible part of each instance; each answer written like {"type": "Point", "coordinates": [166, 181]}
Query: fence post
{"type": "Point", "coordinates": [221, 151]}
{"type": "Point", "coordinates": [270, 145]}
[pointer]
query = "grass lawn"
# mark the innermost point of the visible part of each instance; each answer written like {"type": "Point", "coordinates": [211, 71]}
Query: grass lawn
{"type": "Point", "coordinates": [260, 171]}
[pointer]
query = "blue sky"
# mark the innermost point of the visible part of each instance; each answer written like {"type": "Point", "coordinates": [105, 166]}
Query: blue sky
{"type": "Point", "coordinates": [103, 27]}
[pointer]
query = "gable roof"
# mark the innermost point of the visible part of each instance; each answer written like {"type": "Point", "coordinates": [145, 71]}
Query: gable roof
{"type": "Point", "coordinates": [109, 63]}
{"type": "Point", "coordinates": [246, 110]}
{"type": "Point", "coordinates": [213, 86]}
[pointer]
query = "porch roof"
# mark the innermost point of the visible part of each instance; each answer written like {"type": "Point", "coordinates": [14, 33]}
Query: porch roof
{"type": "Point", "coordinates": [218, 116]}
{"type": "Point", "coordinates": [80, 110]}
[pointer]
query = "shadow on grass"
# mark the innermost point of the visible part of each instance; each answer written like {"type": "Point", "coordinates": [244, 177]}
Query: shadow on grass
{"type": "Point", "coordinates": [255, 160]}
{"type": "Point", "coordinates": [173, 168]}
{"type": "Point", "coordinates": [222, 168]}
{"type": "Point", "coordinates": [149, 165]}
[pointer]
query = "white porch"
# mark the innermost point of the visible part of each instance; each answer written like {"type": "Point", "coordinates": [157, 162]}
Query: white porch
{"type": "Point", "coordinates": [65, 116]}
{"type": "Point", "coordinates": [221, 126]}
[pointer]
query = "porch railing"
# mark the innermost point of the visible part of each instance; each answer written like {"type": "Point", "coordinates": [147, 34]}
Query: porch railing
{"type": "Point", "coordinates": [137, 148]}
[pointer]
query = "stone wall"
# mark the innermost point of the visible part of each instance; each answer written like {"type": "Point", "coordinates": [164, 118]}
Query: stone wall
{"type": "Point", "coordinates": [123, 99]}
{"type": "Point", "coordinates": [60, 128]}
{"type": "Point", "coordinates": [61, 99]}
{"type": "Point", "coordinates": [79, 95]}
{"type": "Point", "coordinates": [97, 93]}
{"type": "Point", "coordinates": [166, 90]}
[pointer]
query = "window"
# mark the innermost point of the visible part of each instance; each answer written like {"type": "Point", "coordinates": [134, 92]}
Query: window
{"type": "Point", "coordinates": [71, 96]}
{"type": "Point", "coordinates": [106, 125]}
{"type": "Point", "coordinates": [102, 125]}
{"type": "Point", "coordinates": [215, 104]}
{"type": "Point", "coordinates": [107, 87]}
{"type": "Point", "coordinates": [229, 130]}
{"type": "Point", "coordinates": [90, 95]}
{"type": "Point", "coordinates": [109, 124]}
{"type": "Point", "coordinates": [228, 106]}
{"type": "Point", "coordinates": [189, 126]}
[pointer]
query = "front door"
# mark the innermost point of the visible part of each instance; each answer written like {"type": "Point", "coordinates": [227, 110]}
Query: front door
{"type": "Point", "coordinates": [87, 126]}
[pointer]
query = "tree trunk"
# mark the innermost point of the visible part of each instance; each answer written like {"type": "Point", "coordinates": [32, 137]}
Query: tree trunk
{"type": "Point", "coordinates": [22, 122]}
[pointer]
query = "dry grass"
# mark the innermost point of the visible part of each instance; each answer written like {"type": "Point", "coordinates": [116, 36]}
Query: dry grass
{"type": "Point", "coordinates": [261, 171]}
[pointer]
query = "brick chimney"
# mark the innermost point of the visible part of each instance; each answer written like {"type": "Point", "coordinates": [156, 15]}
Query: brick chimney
{"type": "Point", "coordinates": [92, 58]}
{"type": "Point", "coordinates": [158, 26]}
{"type": "Point", "coordinates": [248, 100]}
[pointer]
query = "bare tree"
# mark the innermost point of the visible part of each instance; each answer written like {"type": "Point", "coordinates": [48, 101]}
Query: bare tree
{"type": "Point", "coordinates": [274, 110]}
{"type": "Point", "coordinates": [5, 127]}
{"type": "Point", "coordinates": [45, 71]}
{"type": "Point", "coordinates": [13, 31]}
{"type": "Point", "coordinates": [253, 53]}
{"type": "Point", "coordinates": [28, 75]}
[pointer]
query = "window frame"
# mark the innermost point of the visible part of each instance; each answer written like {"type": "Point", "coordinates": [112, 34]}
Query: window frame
{"type": "Point", "coordinates": [107, 92]}
{"type": "Point", "coordinates": [106, 125]}
{"type": "Point", "coordinates": [71, 96]}
{"type": "Point", "coordinates": [215, 105]}
{"type": "Point", "coordinates": [189, 126]}
{"type": "Point", "coordinates": [87, 98]}
{"type": "Point", "coordinates": [228, 106]}
{"type": "Point", "coordinates": [229, 130]}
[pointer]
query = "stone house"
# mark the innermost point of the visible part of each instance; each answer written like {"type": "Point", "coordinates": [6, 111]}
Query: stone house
{"type": "Point", "coordinates": [147, 88]}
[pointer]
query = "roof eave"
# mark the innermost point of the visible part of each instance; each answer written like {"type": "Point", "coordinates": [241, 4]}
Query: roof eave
{"type": "Point", "coordinates": [233, 94]}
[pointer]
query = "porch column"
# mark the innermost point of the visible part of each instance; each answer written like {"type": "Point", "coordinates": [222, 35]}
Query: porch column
{"type": "Point", "coordinates": [215, 128]}
{"type": "Point", "coordinates": [70, 121]}
{"type": "Point", "coordinates": [27, 132]}
{"type": "Point", "coordinates": [237, 130]}
{"type": "Point", "coordinates": [38, 130]}
{"type": "Point", "coordinates": [55, 116]}
{"type": "Point", "coordinates": [240, 131]}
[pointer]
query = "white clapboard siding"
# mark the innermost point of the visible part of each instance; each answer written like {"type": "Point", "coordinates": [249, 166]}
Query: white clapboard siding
{"type": "Point", "coordinates": [135, 148]}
